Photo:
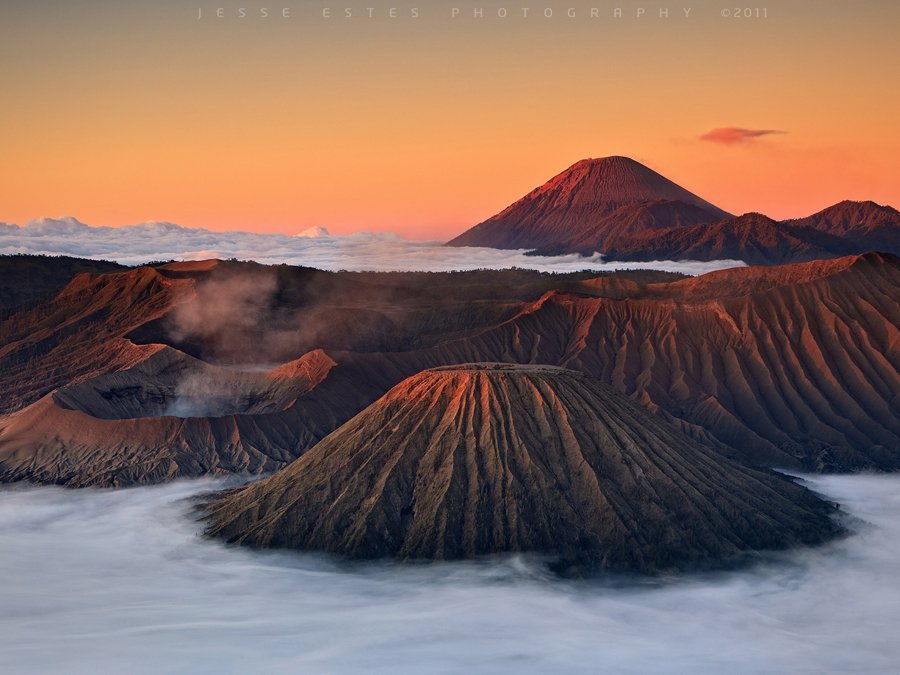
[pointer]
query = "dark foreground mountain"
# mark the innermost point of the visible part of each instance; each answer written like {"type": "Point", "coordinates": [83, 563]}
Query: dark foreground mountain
{"type": "Point", "coordinates": [478, 459]}
{"type": "Point", "coordinates": [185, 370]}
{"type": "Point", "coordinates": [626, 211]}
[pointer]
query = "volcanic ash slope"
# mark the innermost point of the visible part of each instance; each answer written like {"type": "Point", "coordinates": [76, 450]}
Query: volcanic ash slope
{"type": "Point", "coordinates": [463, 461]}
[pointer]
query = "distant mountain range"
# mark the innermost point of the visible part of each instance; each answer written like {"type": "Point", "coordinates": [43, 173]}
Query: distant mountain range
{"type": "Point", "coordinates": [623, 209]}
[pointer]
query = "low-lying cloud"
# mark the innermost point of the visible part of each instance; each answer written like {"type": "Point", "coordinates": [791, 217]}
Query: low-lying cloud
{"type": "Point", "coordinates": [137, 244]}
{"type": "Point", "coordinates": [736, 135]}
{"type": "Point", "coordinates": [116, 581]}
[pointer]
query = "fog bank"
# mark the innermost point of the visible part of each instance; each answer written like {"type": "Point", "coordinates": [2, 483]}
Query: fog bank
{"type": "Point", "coordinates": [120, 581]}
{"type": "Point", "coordinates": [365, 251]}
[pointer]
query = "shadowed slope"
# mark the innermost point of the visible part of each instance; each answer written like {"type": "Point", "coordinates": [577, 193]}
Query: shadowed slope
{"type": "Point", "coordinates": [870, 226]}
{"type": "Point", "coordinates": [101, 323]}
{"type": "Point", "coordinates": [626, 211]}
{"type": "Point", "coordinates": [487, 458]}
{"type": "Point", "coordinates": [26, 279]}
{"type": "Point", "coordinates": [80, 332]}
{"type": "Point", "coordinates": [794, 366]}
{"type": "Point", "coordinates": [170, 416]}
{"type": "Point", "coordinates": [752, 237]}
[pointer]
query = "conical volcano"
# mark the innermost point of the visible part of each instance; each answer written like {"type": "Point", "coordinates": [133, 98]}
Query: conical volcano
{"type": "Point", "coordinates": [469, 460]}
{"type": "Point", "coordinates": [591, 205]}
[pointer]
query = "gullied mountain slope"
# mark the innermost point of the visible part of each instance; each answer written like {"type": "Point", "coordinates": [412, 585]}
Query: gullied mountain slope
{"type": "Point", "coordinates": [488, 458]}
{"type": "Point", "coordinates": [753, 238]}
{"type": "Point", "coordinates": [794, 366]}
{"type": "Point", "coordinates": [26, 279]}
{"type": "Point", "coordinates": [627, 224]}
{"type": "Point", "coordinates": [869, 226]}
{"type": "Point", "coordinates": [574, 210]}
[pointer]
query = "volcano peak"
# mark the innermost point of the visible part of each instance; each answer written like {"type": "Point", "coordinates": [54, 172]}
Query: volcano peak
{"type": "Point", "coordinates": [587, 204]}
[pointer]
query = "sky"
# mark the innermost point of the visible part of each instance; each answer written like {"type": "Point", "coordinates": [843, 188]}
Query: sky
{"type": "Point", "coordinates": [121, 112]}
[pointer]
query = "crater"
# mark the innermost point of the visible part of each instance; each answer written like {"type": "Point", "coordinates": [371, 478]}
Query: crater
{"type": "Point", "coordinates": [173, 384]}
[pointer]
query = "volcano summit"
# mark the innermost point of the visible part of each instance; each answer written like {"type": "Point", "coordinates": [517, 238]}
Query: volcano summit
{"type": "Point", "coordinates": [590, 206]}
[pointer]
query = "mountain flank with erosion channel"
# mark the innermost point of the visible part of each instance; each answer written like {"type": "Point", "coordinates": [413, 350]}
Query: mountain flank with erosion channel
{"type": "Point", "coordinates": [471, 460]}
{"type": "Point", "coordinates": [192, 369]}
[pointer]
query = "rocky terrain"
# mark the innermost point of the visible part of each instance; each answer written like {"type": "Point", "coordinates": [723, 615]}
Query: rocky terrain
{"type": "Point", "coordinates": [626, 211]}
{"type": "Point", "coordinates": [26, 279]}
{"type": "Point", "coordinates": [166, 417]}
{"type": "Point", "coordinates": [752, 237]}
{"type": "Point", "coordinates": [868, 225]}
{"type": "Point", "coordinates": [476, 459]}
{"type": "Point", "coordinates": [190, 369]}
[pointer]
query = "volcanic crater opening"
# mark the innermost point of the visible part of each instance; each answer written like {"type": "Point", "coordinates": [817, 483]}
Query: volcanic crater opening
{"type": "Point", "coordinates": [171, 384]}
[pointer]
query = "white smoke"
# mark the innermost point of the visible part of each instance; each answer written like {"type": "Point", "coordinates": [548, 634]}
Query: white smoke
{"type": "Point", "coordinates": [226, 314]}
{"type": "Point", "coordinates": [119, 581]}
{"type": "Point", "coordinates": [137, 244]}
{"type": "Point", "coordinates": [198, 395]}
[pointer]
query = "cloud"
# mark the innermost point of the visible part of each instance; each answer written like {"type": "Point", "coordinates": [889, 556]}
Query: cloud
{"type": "Point", "coordinates": [118, 580]}
{"type": "Point", "coordinates": [225, 315]}
{"type": "Point", "coordinates": [366, 251]}
{"type": "Point", "coordinates": [736, 135]}
{"type": "Point", "coordinates": [59, 226]}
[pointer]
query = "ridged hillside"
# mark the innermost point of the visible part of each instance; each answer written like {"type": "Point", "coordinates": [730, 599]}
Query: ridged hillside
{"type": "Point", "coordinates": [794, 366]}
{"type": "Point", "coordinates": [490, 458]}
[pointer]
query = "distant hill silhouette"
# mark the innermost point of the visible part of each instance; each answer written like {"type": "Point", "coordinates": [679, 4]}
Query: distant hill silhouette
{"type": "Point", "coordinates": [590, 202]}
{"type": "Point", "coordinates": [621, 208]}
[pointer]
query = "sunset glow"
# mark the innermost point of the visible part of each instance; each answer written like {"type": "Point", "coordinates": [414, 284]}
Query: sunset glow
{"type": "Point", "coordinates": [124, 112]}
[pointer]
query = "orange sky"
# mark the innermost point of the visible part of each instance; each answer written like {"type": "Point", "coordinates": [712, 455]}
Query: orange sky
{"type": "Point", "coordinates": [121, 112]}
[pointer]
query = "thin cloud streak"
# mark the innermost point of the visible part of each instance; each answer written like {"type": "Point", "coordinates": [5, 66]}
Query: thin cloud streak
{"type": "Point", "coordinates": [736, 135]}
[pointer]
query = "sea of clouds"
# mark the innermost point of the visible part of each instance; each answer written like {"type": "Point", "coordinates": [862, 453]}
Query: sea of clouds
{"type": "Point", "coordinates": [315, 247]}
{"type": "Point", "coordinates": [104, 581]}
